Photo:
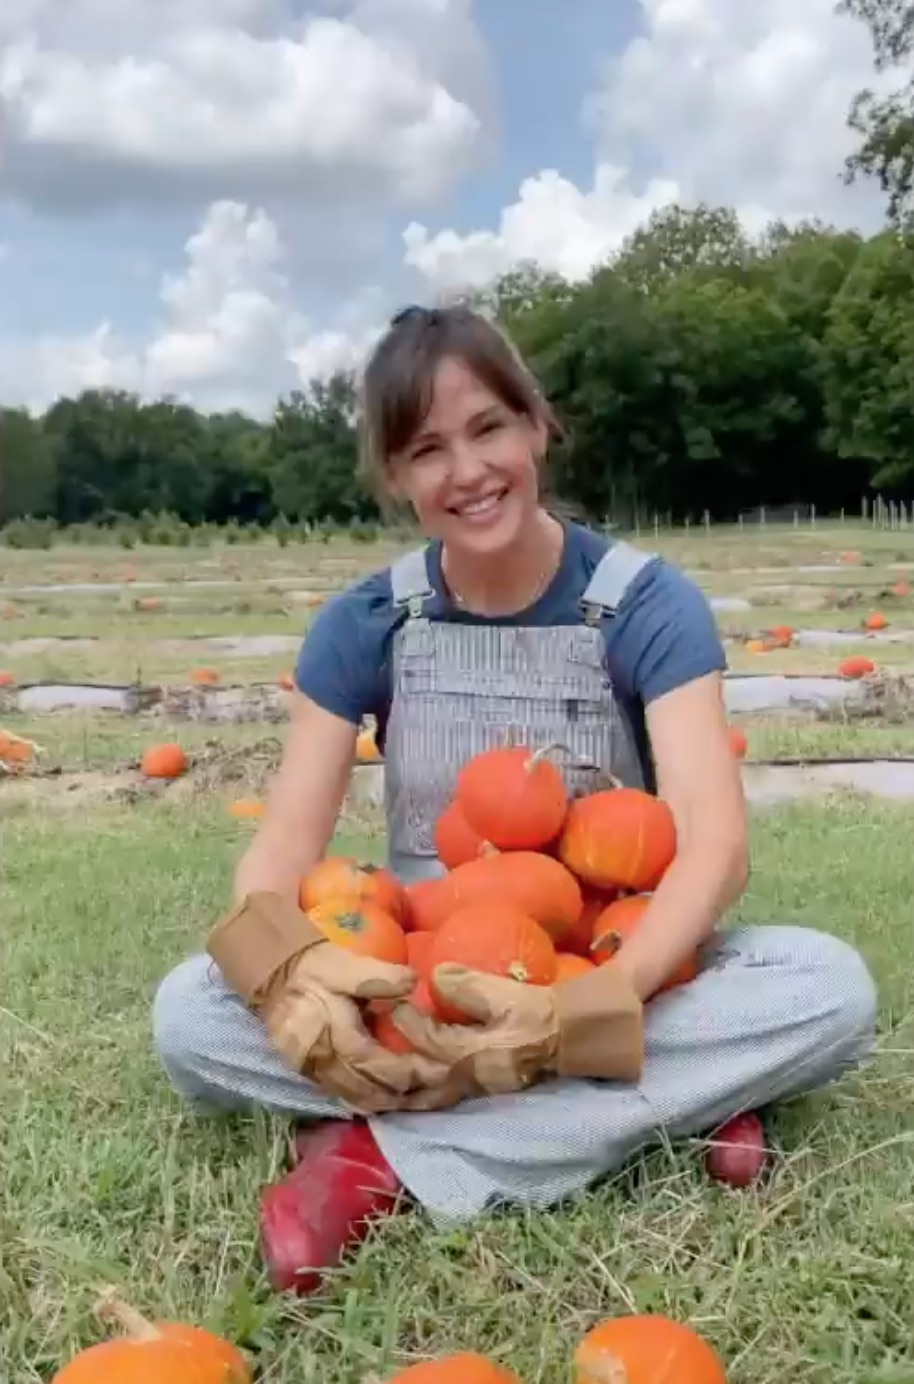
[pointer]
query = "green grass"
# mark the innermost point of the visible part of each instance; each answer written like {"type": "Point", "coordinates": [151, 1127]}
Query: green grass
{"type": "Point", "coordinates": [107, 1178]}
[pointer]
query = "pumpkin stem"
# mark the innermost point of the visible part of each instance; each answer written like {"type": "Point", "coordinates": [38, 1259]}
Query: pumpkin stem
{"type": "Point", "coordinates": [518, 971]}
{"type": "Point", "coordinates": [607, 1369]}
{"type": "Point", "coordinates": [557, 747]}
{"type": "Point", "coordinates": [111, 1307]}
{"type": "Point", "coordinates": [608, 939]}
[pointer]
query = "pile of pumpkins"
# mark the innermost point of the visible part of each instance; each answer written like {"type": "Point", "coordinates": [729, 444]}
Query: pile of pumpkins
{"type": "Point", "coordinates": [645, 1349]}
{"type": "Point", "coordinates": [539, 888]}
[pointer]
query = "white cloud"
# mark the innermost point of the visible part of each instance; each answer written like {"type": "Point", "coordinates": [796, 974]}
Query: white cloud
{"type": "Point", "coordinates": [138, 98]}
{"type": "Point", "coordinates": [553, 223]}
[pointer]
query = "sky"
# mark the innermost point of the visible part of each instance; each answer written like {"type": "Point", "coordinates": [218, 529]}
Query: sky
{"type": "Point", "coordinates": [219, 200]}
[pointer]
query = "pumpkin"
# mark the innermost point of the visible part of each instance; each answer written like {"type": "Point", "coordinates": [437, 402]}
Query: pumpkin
{"type": "Point", "coordinates": [537, 884]}
{"type": "Point", "coordinates": [164, 761]}
{"type": "Point", "coordinates": [382, 1024]}
{"type": "Point", "coordinates": [494, 937]}
{"type": "Point", "coordinates": [366, 748]}
{"type": "Point", "coordinates": [856, 667]}
{"type": "Point", "coordinates": [852, 558]}
{"type": "Point", "coordinates": [418, 947]}
{"type": "Point", "coordinates": [247, 809]}
{"type": "Point", "coordinates": [901, 588]}
{"type": "Point", "coordinates": [464, 1368]}
{"type": "Point", "coordinates": [456, 842]}
{"type": "Point", "coordinates": [15, 751]}
{"type": "Point", "coordinates": [422, 904]}
{"type": "Point", "coordinates": [757, 646]}
{"type": "Point", "coordinates": [204, 677]}
{"type": "Point", "coordinates": [876, 621]}
{"type": "Point", "coordinates": [619, 921]}
{"type": "Point", "coordinates": [578, 940]}
{"type": "Point", "coordinates": [513, 797]}
{"type": "Point", "coordinates": [361, 927]}
{"type": "Point", "coordinates": [782, 635]}
{"type": "Point", "coordinates": [569, 967]}
{"type": "Point", "coordinates": [7, 679]}
{"type": "Point", "coordinates": [147, 604]}
{"type": "Point", "coordinates": [153, 1352]}
{"type": "Point", "coordinates": [646, 1349]}
{"type": "Point", "coordinates": [622, 838]}
{"type": "Point", "coordinates": [343, 877]}
{"type": "Point", "coordinates": [739, 744]}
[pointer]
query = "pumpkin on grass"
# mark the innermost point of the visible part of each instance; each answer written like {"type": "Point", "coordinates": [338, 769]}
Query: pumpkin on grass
{"type": "Point", "coordinates": [618, 922]}
{"type": "Point", "coordinates": [164, 761]}
{"type": "Point", "coordinates": [16, 753]}
{"type": "Point", "coordinates": [343, 877]}
{"type": "Point", "coordinates": [366, 748]}
{"type": "Point", "coordinates": [876, 621]}
{"type": "Point", "coordinates": [361, 927]}
{"type": "Point", "coordinates": [247, 809]}
{"type": "Point", "coordinates": [153, 1353]}
{"type": "Point", "coordinates": [466, 1367]}
{"type": "Point", "coordinates": [538, 885]}
{"type": "Point", "coordinates": [7, 679]}
{"type": "Point", "coordinates": [456, 843]}
{"type": "Point", "coordinates": [646, 1349]}
{"type": "Point", "coordinates": [514, 797]}
{"type": "Point", "coordinates": [621, 838]}
{"type": "Point", "coordinates": [739, 742]}
{"type": "Point", "coordinates": [496, 938]}
{"type": "Point", "coordinates": [204, 677]}
{"type": "Point", "coordinates": [856, 667]}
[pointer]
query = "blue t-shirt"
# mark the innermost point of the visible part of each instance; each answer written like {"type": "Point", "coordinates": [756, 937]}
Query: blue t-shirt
{"type": "Point", "coordinates": [662, 636]}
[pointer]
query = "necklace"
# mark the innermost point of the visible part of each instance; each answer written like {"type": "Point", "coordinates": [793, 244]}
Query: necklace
{"type": "Point", "coordinates": [545, 577]}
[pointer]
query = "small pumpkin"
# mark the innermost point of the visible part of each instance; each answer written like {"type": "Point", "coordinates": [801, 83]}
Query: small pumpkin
{"type": "Point", "coordinates": [418, 948]}
{"type": "Point", "coordinates": [757, 646]}
{"type": "Point", "coordinates": [366, 748]}
{"type": "Point", "coordinates": [513, 796]}
{"type": "Point", "coordinates": [579, 938]}
{"type": "Point", "coordinates": [153, 1352]}
{"type": "Point", "coordinates": [204, 677]}
{"type": "Point", "coordinates": [781, 636]}
{"type": "Point", "coordinates": [147, 604]}
{"type": "Point", "coordinates": [384, 1029]}
{"type": "Point", "coordinates": [646, 1349]}
{"type": "Point", "coordinates": [569, 967]}
{"type": "Point", "coordinates": [166, 761]}
{"type": "Point", "coordinates": [856, 667]}
{"type": "Point", "coordinates": [344, 877]}
{"type": "Point", "coordinates": [901, 589]}
{"type": "Point", "coordinates": [621, 838]}
{"type": "Point", "coordinates": [361, 927]}
{"type": "Point", "coordinates": [876, 621]}
{"type": "Point", "coordinates": [15, 751]}
{"type": "Point", "coordinates": [247, 809]}
{"type": "Point", "coordinates": [456, 842]}
{"type": "Point", "coordinates": [739, 742]}
{"type": "Point", "coordinates": [494, 937]}
{"type": "Point", "coordinates": [422, 905]}
{"type": "Point", "coordinates": [618, 922]}
{"type": "Point", "coordinates": [7, 679]}
{"type": "Point", "coordinates": [466, 1367]}
{"type": "Point", "coordinates": [537, 884]}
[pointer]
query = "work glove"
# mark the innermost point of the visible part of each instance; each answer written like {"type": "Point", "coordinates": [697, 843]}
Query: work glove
{"type": "Point", "coordinates": [591, 1026]}
{"type": "Point", "coordinates": [308, 991]}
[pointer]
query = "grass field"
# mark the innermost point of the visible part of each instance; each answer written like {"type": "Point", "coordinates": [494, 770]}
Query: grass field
{"type": "Point", "coordinates": [106, 1178]}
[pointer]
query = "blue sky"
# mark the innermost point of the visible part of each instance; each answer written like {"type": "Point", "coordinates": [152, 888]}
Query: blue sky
{"type": "Point", "coordinates": [220, 198]}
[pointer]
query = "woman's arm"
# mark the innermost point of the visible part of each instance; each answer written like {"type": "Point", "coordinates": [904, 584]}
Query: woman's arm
{"type": "Point", "coordinates": [303, 803]}
{"type": "Point", "coordinates": [699, 777]}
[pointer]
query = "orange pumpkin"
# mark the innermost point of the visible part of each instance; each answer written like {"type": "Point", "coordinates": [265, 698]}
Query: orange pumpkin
{"type": "Point", "coordinates": [422, 904]}
{"type": "Point", "coordinates": [618, 922]}
{"type": "Point", "coordinates": [418, 947]}
{"type": "Point", "coordinates": [646, 1349]}
{"type": "Point", "coordinates": [384, 1029]}
{"type": "Point", "coordinates": [494, 937]}
{"type": "Point", "coordinates": [7, 679]}
{"type": "Point", "coordinates": [569, 966]}
{"type": "Point", "coordinates": [739, 744]}
{"type": "Point", "coordinates": [876, 621]}
{"type": "Point", "coordinates": [164, 761]}
{"type": "Point", "coordinates": [456, 842]}
{"type": "Point", "coordinates": [782, 635]}
{"type": "Point", "coordinates": [361, 927]}
{"type": "Point", "coordinates": [513, 797]}
{"type": "Point", "coordinates": [901, 588]}
{"type": "Point", "coordinates": [204, 677]}
{"type": "Point", "coordinates": [464, 1368]}
{"type": "Point", "coordinates": [757, 646]}
{"type": "Point", "coordinates": [343, 877]}
{"type": "Point", "coordinates": [622, 838]}
{"type": "Point", "coordinates": [147, 604]}
{"type": "Point", "coordinates": [537, 884]}
{"type": "Point", "coordinates": [366, 748]}
{"type": "Point", "coordinates": [247, 809]}
{"type": "Point", "coordinates": [856, 667]}
{"type": "Point", "coordinates": [579, 937]}
{"type": "Point", "coordinates": [152, 1352]}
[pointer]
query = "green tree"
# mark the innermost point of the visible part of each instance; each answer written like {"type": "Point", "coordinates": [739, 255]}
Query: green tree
{"type": "Point", "coordinates": [885, 121]}
{"type": "Point", "coordinates": [28, 474]}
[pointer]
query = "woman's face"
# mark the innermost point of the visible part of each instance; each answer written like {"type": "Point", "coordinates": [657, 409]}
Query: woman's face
{"type": "Point", "coordinates": [471, 471]}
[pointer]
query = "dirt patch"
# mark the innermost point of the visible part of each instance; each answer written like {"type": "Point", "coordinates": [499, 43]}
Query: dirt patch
{"type": "Point", "coordinates": [784, 692]}
{"type": "Point", "coordinates": [770, 784]}
{"type": "Point", "coordinates": [73, 790]}
{"type": "Point", "coordinates": [43, 645]}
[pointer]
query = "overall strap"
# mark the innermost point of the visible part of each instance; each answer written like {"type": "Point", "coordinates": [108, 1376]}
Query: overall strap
{"type": "Point", "coordinates": [409, 582]}
{"type": "Point", "coordinates": [612, 577]}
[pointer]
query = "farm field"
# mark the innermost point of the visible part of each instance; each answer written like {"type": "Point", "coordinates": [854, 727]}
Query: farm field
{"type": "Point", "coordinates": [107, 882]}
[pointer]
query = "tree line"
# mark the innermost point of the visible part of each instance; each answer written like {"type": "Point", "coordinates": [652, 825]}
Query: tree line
{"type": "Point", "coordinates": [699, 370]}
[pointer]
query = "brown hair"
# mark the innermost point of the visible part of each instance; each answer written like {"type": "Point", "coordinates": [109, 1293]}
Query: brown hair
{"type": "Point", "coordinates": [399, 377]}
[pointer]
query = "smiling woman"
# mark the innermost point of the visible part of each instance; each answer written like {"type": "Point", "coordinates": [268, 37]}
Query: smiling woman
{"type": "Point", "coordinates": [510, 623]}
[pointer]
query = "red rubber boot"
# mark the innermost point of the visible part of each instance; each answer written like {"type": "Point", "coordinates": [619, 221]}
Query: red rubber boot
{"type": "Point", "coordinates": [340, 1181]}
{"type": "Point", "coordinates": [737, 1152]}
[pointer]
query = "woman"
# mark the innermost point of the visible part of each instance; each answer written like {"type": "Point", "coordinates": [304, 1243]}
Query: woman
{"type": "Point", "coordinates": [508, 621]}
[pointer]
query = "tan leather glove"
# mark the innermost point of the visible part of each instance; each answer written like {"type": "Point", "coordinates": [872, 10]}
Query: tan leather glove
{"type": "Point", "coordinates": [307, 990]}
{"type": "Point", "coordinates": [591, 1026]}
